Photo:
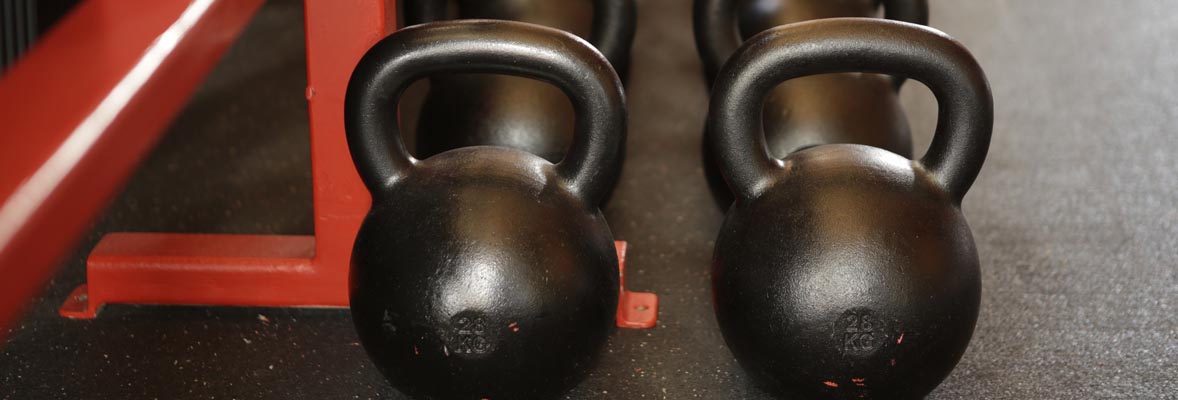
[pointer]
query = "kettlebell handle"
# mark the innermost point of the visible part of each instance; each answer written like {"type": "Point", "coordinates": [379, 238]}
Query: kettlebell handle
{"type": "Point", "coordinates": [717, 35]}
{"type": "Point", "coordinates": [613, 24]}
{"type": "Point", "coordinates": [486, 46]}
{"type": "Point", "coordinates": [966, 110]}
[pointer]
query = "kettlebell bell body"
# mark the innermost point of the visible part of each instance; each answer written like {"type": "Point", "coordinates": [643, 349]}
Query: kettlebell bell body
{"type": "Point", "coordinates": [481, 109]}
{"type": "Point", "coordinates": [855, 108]}
{"type": "Point", "coordinates": [484, 272]}
{"type": "Point", "coordinates": [848, 271]}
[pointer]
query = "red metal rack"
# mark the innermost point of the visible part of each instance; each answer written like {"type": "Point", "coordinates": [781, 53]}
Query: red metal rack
{"type": "Point", "coordinates": [82, 108]}
{"type": "Point", "coordinates": [261, 270]}
{"type": "Point", "coordinates": [190, 269]}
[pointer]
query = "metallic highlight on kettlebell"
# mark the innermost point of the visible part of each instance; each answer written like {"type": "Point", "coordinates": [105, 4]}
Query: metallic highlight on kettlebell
{"type": "Point", "coordinates": [484, 272]}
{"type": "Point", "coordinates": [847, 271]}
{"type": "Point", "coordinates": [830, 108]}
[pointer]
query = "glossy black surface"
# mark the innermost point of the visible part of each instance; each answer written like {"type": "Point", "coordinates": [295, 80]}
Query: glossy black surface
{"type": "Point", "coordinates": [847, 271]}
{"type": "Point", "coordinates": [484, 272]}
{"type": "Point", "coordinates": [477, 109]}
{"type": "Point", "coordinates": [831, 108]}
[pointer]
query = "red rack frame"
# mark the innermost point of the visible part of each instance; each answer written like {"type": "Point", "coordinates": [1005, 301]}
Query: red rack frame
{"type": "Point", "coordinates": [207, 269]}
{"type": "Point", "coordinates": [261, 270]}
{"type": "Point", "coordinates": [81, 109]}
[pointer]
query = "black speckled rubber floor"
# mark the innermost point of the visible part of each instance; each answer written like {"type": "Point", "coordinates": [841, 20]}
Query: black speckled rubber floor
{"type": "Point", "coordinates": [1075, 217]}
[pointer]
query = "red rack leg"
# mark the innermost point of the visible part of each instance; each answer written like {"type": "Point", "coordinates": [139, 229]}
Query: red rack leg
{"type": "Point", "coordinates": [234, 270]}
{"type": "Point", "coordinates": [155, 268]}
{"type": "Point", "coordinates": [636, 310]}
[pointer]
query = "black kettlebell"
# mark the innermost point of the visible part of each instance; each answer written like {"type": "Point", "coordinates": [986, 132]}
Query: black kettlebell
{"type": "Point", "coordinates": [831, 108]}
{"type": "Point", "coordinates": [848, 271]}
{"type": "Point", "coordinates": [484, 272]}
{"type": "Point", "coordinates": [721, 25]}
{"type": "Point", "coordinates": [471, 109]}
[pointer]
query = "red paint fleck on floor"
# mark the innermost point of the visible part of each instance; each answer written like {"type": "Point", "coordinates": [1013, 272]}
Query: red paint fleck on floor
{"type": "Point", "coordinates": [415, 351]}
{"type": "Point", "coordinates": [901, 339]}
{"type": "Point", "coordinates": [859, 381]}
{"type": "Point", "coordinates": [831, 384]}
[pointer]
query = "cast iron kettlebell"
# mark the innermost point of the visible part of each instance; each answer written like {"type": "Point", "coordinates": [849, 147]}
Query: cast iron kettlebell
{"type": "Point", "coordinates": [848, 271]}
{"type": "Point", "coordinates": [832, 108]}
{"type": "Point", "coordinates": [469, 109]}
{"type": "Point", "coordinates": [484, 272]}
{"type": "Point", "coordinates": [720, 25]}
